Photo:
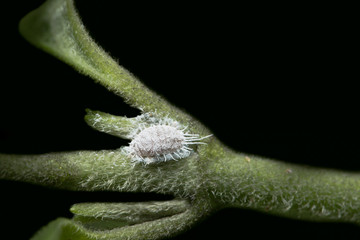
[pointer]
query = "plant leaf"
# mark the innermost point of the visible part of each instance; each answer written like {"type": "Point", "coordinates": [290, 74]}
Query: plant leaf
{"type": "Point", "coordinates": [65, 229]}
{"type": "Point", "coordinates": [106, 216]}
{"type": "Point", "coordinates": [118, 126]}
{"type": "Point", "coordinates": [60, 229]}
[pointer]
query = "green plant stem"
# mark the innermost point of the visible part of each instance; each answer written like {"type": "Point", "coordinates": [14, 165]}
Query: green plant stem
{"type": "Point", "coordinates": [102, 170]}
{"type": "Point", "coordinates": [286, 189]}
{"type": "Point", "coordinates": [55, 169]}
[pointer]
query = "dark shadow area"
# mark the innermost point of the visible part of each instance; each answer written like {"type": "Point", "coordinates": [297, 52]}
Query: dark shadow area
{"type": "Point", "coordinates": [276, 84]}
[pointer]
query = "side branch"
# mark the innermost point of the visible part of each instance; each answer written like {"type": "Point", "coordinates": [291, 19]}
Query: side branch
{"type": "Point", "coordinates": [53, 169]}
{"type": "Point", "coordinates": [79, 170]}
{"type": "Point", "coordinates": [99, 171]}
{"type": "Point", "coordinates": [287, 189]}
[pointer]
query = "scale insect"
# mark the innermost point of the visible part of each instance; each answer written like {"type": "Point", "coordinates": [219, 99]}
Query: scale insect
{"type": "Point", "coordinates": [162, 142]}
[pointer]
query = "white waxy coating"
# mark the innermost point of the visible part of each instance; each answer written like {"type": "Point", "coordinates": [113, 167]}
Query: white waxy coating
{"type": "Point", "coordinates": [157, 140]}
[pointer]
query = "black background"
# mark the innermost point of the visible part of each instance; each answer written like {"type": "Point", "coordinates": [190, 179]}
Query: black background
{"type": "Point", "coordinates": [273, 80]}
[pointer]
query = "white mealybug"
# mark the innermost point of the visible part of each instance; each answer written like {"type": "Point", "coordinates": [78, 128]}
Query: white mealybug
{"type": "Point", "coordinates": [162, 142]}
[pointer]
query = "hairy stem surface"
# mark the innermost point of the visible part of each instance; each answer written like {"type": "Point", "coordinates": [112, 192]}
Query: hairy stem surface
{"type": "Point", "coordinates": [286, 189]}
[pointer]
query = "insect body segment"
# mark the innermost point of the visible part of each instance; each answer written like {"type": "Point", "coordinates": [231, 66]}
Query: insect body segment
{"type": "Point", "coordinates": [157, 140]}
{"type": "Point", "coordinates": [162, 142]}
